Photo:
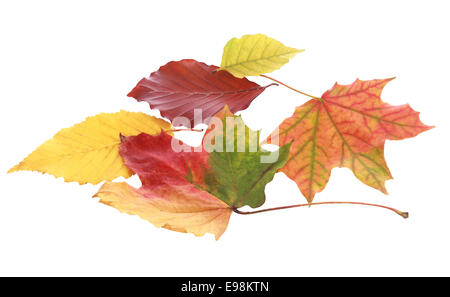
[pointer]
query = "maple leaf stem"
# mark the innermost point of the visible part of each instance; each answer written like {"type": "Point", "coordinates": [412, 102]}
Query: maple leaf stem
{"type": "Point", "coordinates": [289, 87]}
{"type": "Point", "coordinates": [400, 213]}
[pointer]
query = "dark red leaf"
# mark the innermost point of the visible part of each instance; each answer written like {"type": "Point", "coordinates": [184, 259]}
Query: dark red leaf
{"type": "Point", "coordinates": [178, 88]}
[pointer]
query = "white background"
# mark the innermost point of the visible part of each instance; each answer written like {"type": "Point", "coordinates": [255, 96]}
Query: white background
{"type": "Point", "coordinates": [61, 62]}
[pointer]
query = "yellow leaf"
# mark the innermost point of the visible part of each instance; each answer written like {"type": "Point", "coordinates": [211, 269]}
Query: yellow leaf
{"type": "Point", "coordinates": [255, 55]}
{"type": "Point", "coordinates": [181, 208]}
{"type": "Point", "coordinates": [88, 152]}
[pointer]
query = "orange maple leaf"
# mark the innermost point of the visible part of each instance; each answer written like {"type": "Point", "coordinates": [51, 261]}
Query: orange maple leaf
{"type": "Point", "coordinates": [346, 127]}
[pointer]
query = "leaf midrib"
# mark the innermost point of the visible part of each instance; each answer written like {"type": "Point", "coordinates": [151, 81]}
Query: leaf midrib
{"type": "Point", "coordinates": [371, 116]}
{"type": "Point", "coordinates": [354, 155]}
{"type": "Point", "coordinates": [264, 58]}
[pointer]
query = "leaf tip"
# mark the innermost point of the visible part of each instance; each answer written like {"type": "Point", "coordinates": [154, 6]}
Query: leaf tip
{"type": "Point", "coordinates": [14, 169]}
{"type": "Point", "coordinates": [429, 127]}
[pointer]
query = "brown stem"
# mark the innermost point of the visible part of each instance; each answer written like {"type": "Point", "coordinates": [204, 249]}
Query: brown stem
{"type": "Point", "coordinates": [289, 87]}
{"type": "Point", "coordinates": [400, 213]}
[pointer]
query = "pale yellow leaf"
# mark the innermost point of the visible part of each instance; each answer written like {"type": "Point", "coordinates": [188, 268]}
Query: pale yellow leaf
{"type": "Point", "coordinates": [88, 152]}
{"type": "Point", "coordinates": [253, 55]}
{"type": "Point", "coordinates": [181, 208]}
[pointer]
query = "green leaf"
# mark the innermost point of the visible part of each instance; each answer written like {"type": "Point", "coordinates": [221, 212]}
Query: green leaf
{"type": "Point", "coordinates": [238, 174]}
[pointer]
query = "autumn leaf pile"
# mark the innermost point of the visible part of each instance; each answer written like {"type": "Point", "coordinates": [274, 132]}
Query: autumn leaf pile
{"type": "Point", "coordinates": [195, 189]}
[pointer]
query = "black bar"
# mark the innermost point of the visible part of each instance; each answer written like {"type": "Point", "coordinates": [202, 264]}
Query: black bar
{"type": "Point", "coordinates": [224, 286]}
